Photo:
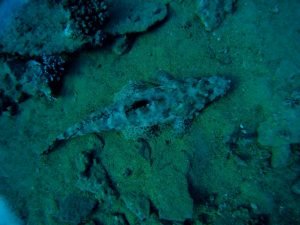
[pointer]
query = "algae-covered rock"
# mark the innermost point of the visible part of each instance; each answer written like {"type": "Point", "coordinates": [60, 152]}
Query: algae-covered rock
{"type": "Point", "coordinates": [213, 12]}
{"type": "Point", "coordinates": [170, 195]}
{"type": "Point", "coordinates": [152, 188]}
{"type": "Point", "coordinates": [37, 29]}
{"type": "Point", "coordinates": [73, 209]}
{"type": "Point", "coordinates": [138, 204]}
{"type": "Point", "coordinates": [88, 15]}
{"type": "Point", "coordinates": [9, 93]}
{"type": "Point", "coordinates": [40, 76]}
{"type": "Point", "coordinates": [286, 83]}
{"type": "Point", "coordinates": [278, 133]}
{"type": "Point", "coordinates": [93, 179]}
{"type": "Point", "coordinates": [20, 80]}
{"type": "Point", "coordinates": [134, 16]}
{"type": "Point", "coordinates": [261, 201]}
{"type": "Point", "coordinates": [282, 128]}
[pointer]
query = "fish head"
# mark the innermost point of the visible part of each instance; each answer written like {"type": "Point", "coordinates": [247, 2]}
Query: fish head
{"type": "Point", "coordinates": [214, 87]}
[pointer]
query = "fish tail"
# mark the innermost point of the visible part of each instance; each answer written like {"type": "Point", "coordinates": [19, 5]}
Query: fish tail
{"type": "Point", "coordinates": [51, 148]}
{"type": "Point", "coordinates": [62, 138]}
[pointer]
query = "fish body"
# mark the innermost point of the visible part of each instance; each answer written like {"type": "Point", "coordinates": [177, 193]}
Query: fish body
{"type": "Point", "coordinates": [139, 106]}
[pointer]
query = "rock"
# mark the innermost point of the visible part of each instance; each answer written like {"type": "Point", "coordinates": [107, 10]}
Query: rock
{"type": "Point", "coordinates": [38, 29]}
{"type": "Point", "coordinates": [110, 219]}
{"type": "Point", "coordinates": [164, 182]}
{"type": "Point", "coordinates": [88, 16]}
{"type": "Point", "coordinates": [286, 83]}
{"type": "Point", "coordinates": [255, 195]}
{"type": "Point", "coordinates": [10, 95]}
{"type": "Point", "coordinates": [278, 133]}
{"type": "Point", "coordinates": [75, 208]}
{"type": "Point", "coordinates": [53, 28]}
{"type": "Point", "coordinates": [8, 104]}
{"type": "Point", "coordinates": [282, 128]}
{"type": "Point", "coordinates": [213, 12]}
{"type": "Point", "coordinates": [138, 204]}
{"type": "Point", "coordinates": [270, 135]}
{"type": "Point", "coordinates": [198, 160]}
{"type": "Point", "coordinates": [94, 179]}
{"type": "Point", "coordinates": [171, 197]}
{"type": "Point", "coordinates": [20, 80]}
{"type": "Point", "coordinates": [134, 16]}
{"type": "Point", "coordinates": [39, 77]}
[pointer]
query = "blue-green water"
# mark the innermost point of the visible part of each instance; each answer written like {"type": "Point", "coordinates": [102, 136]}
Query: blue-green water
{"type": "Point", "coordinates": [234, 162]}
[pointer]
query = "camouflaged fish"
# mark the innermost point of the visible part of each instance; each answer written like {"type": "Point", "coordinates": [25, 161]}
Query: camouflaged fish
{"type": "Point", "coordinates": [139, 106]}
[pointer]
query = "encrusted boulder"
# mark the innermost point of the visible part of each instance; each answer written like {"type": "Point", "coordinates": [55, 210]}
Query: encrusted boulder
{"type": "Point", "coordinates": [135, 16]}
{"type": "Point", "coordinates": [74, 209]}
{"type": "Point", "coordinates": [88, 18]}
{"type": "Point", "coordinates": [36, 29]}
{"type": "Point", "coordinates": [37, 77]}
{"type": "Point", "coordinates": [280, 131]}
{"type": "Point", "coordinates": [89, 15]}
{"type": "Point", "coordinates": [40, 76]}
{"type": "Point", "coordinates": [170, 195]}
{"type": "Point", "coordinates": [9, 93]}
{"type": "Point", "coordinates": [213, 12]}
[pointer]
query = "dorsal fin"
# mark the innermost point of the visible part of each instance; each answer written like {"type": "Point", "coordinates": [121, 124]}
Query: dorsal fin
{"type": "Point", "coordinates": [165, 79]}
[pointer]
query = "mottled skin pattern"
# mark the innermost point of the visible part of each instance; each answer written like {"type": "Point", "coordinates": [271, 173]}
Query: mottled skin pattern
{"type": "Point", "coordinates": [143, 105]}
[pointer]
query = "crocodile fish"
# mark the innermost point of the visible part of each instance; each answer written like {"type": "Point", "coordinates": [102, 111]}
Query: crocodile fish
{"type": "Point", "coordinates": [142, 105]}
